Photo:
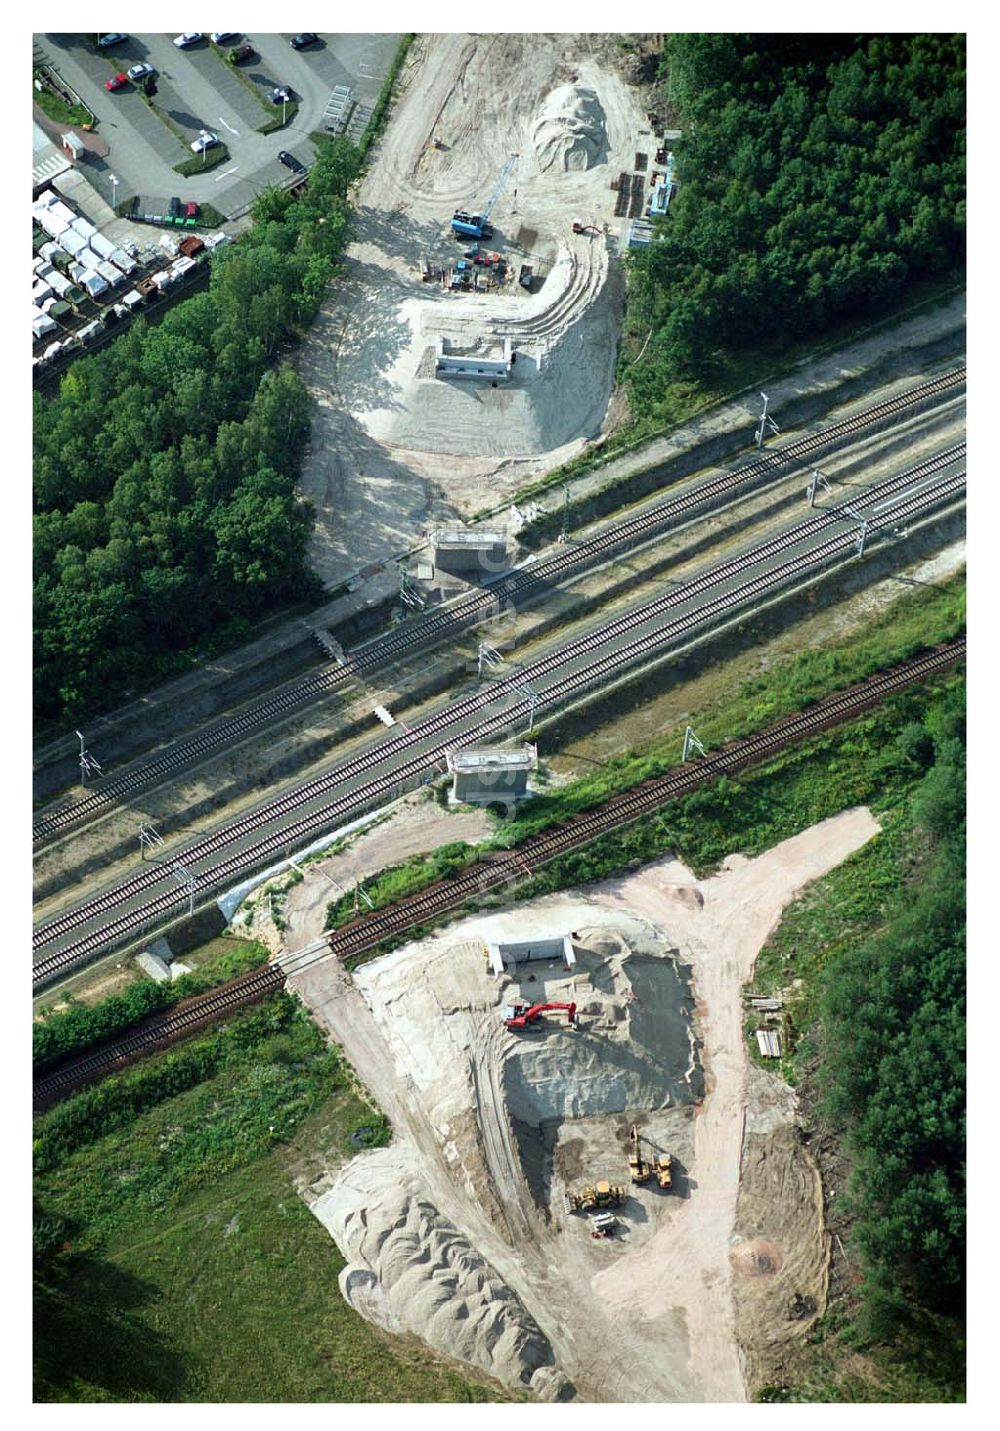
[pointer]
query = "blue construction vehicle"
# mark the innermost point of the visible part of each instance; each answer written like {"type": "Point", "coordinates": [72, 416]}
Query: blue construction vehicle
{"type": "Point", "coordinates": [466, 225]}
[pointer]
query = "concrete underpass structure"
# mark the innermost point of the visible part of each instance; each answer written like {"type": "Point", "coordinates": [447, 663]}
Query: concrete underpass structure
{"type": "Point", "coordinates": [487, 775]}
{"type": "Point", "coordinates": [454, 362]}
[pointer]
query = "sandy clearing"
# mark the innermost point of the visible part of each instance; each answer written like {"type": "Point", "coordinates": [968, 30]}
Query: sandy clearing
{"type": "Point", "coordinates": [649, 1316]}
{"type": "Point", "coordinates": [394, 450]}
{"type": "Point", "coordinates": [722, 933]}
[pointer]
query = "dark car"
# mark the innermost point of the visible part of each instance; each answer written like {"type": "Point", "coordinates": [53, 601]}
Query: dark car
{"type": "Point", "coordinates": [116, 82]}
{"type": "Point", "coordinates": [302, 42]}
{"type": "Point", "coordinates": [175, 207]}
{"type": "Point", "coordinates": [290, 161]}
{"type": "Point", "coordinates": [111, 38]}
{"type": "Point", "coordinates": [240, 53]}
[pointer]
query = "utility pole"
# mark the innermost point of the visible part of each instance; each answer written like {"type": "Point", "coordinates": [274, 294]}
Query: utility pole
{"type": "Point", "coordinates": [691, 742]}
{"type": "Point", "coordinates": [184, 877]}
{"type": "Point", "coordinates": [767, 424]}
{"type": "Point", "coordinates": [817, 479]}
{"type": "Point", "coordinates": [148, 840]}
{"type": "Point", "coordinates": [863, 534]}
{"type": "Point", "coordinates": [406, 593]}
{"type": "Point", "coordinates": [529, 693]}
{"type": "Point", "coordinates": [87, 762]}
{"type": "Point", "coordinates": [488, 654]}
{"type": "Point", "coordinates": [335, 883]}
{"type": "Point", "coordinates": [564, 532]}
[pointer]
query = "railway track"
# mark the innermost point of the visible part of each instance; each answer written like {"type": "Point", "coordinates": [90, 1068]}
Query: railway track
{"type": "Point", "coordinates": [501, 868]}
{"type": "Point", "coordinates": [494, 710]}
{"type": "Point", "coordinates": [476, 607]}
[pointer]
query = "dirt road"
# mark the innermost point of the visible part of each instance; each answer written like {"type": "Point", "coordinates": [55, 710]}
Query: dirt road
{"type": "Point", "coordinates": [722, 923]}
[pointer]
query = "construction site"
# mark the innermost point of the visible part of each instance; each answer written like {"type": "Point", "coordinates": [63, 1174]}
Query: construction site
{"type": "Point", "coordinates": [571, 1102]}
{"type": "Point", "coordinates": [592, 1190]}
{"type": "Point", "coordinates": [486, 231]}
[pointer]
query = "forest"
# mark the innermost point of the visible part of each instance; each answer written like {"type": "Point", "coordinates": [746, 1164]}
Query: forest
{"type": "Point", "coordinates": [165, 469]}
{"type": "Point", "coordinates": [818, 177]}
{"type": "Point", "coordinates": [893, 1014]}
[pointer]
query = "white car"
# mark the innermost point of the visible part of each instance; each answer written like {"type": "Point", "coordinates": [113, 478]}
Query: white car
{"type": "Point", "coordinates": [206, 140]}
{"type": "Point", "coordinates": [190, 37]}
{"type": "Point", "coordinates": [139, 72]}
{"type": "Point", "coordinates": [219, 37]}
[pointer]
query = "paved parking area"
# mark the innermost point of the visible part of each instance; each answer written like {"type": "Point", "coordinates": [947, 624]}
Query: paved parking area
{"type": "Point", "coordinates": [197, 89]}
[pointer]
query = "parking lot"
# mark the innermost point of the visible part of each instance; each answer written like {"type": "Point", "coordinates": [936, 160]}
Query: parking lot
{"type": "Point", "coordinates": [197, 89]}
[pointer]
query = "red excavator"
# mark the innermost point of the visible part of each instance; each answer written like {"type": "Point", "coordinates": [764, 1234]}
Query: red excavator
{"type": "Point", "coordinates": [520, 1016]}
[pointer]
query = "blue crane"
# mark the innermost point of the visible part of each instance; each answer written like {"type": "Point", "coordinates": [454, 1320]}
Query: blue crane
{"type": "Point", "coordinates": [477, 226]}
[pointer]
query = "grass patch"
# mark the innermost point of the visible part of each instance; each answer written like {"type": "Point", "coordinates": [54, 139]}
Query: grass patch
{"type": "Point", "coordinates": [275, 122]}
{"type": "Point", "coordinates": [194, 1272]}
{"type": "Point", "coordinates": [400, 880]}
{"type": "Point", "coordinates": [209, 217]}
{"type": "Point", "coordinates": [199, 163]}
{"type": "Point", "coordinates": [57, 109]}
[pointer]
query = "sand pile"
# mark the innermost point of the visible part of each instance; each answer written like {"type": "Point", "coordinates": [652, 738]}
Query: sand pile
{"type": "Point", "coordinates": [570, 131]}
{"type": "Point", "coordinates": [410, 1270]}
{"type": "Point", "coordinates": [632, 1047]}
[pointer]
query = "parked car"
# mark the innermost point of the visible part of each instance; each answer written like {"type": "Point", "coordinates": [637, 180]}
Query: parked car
{"type": "Point", "coordinates": [240, 53]}
{"type": "Point", "coordinates": [290, 161]}
{"type": "Point", "coordinates": [189, 37]}
{"type": "Point", "coordinates": [281, 94]}
{"type": "Point", "coordinates": [106, 41]}
{"type": "Point", "coordinates": [221, 37]}
{"type": "Point", "coordinates": [302, 42]}
{"type": "Point", "coordinates": [139, 72]}
{"type": "Point", "coordinates": [116, 82]}
{"type": "Point", "coordinates": [206, 140]}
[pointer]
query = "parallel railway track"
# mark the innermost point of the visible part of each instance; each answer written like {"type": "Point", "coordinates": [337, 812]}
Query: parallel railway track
{"type": "Point", "coordinates": [471, 610]}
{"type": "Point", "coordinates": [502, 868]}
{"type": "Point", "coordinates": [506, 698]}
